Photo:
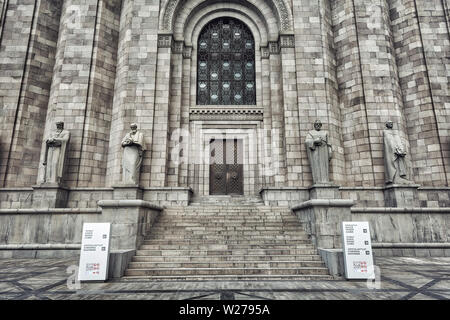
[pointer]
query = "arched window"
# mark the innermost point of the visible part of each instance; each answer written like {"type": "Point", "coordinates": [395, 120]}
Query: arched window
{"type": "Point", "coordinates": [226, 64]}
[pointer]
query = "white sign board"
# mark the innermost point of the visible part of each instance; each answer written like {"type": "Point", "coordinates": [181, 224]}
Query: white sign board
{"type": "Point", "coordinates": [358, 258]}
{"type": "Point", "coordinates": [94, 252]}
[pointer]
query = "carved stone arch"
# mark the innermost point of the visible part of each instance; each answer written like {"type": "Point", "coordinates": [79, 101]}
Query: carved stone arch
{"type": "Point", "coordinates": [196, 24]}
{"type": "Point", "coordinates": [280, 8]}
{"type": "Point", "coordinates": [261, 16]}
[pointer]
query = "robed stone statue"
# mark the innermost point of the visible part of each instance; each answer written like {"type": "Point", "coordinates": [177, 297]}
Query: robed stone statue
{"type": "Point", "coordinates": [55, 154]}
{"type": "Point", "coordinates": [319, 153]}
{"type": "Point", "coordinates": [133, 149]}
{"type": "Point", "coordinates": [394, 156]}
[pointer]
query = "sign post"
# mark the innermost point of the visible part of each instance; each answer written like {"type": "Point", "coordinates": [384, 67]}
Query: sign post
{"type": "Point", "coordinates": [94, 252]}
{"type": "Point", "coordinates": [358, 257]}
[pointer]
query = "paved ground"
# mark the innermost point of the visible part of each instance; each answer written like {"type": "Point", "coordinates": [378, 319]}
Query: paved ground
{"type": "Point", "coordinates": [401, 279]}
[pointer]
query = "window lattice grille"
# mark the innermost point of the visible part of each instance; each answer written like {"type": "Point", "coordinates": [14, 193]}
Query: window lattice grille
{"type": "Point", "coordinates": [226, 64]}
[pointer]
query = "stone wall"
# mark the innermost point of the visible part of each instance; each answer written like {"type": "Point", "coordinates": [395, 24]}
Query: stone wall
{"type": "Point", "coordinates": [88, 197]}
{"type": "Point", "coordinates": [373, 197]}
{"type": "Point", "coordinates": [356, 64]}
{"type": "Point", "coordinates": [13, 56]}
{"type": "Point", "coordinates": [134, 91]}
{"type": "Point", "coordinates": [98, 113]}
{"type": "Point", "coordinates": [434, 197]}
{"type": "Point", "coordinates": [28, 36]}
{"type": "Point", "coordinates": [53, 228]}
{"type": "Point", "coordinates": [82, 86]}
{"type": "Point", "coordinates": [352, 103]}
{"type": "Point", "coordinates": [16, 198]}
{"type": "Point", "coordinates": [284, 197]}
{"type": "Point", "coordinates": [421, 40]}
{"type": "Point", "coordinates": [316, 81]}
{"type": "Point", "coordinates": [421, 225]}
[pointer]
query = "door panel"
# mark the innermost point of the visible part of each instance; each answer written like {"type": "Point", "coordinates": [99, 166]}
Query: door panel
{"type": "Point", "coordinates": [226, 167]}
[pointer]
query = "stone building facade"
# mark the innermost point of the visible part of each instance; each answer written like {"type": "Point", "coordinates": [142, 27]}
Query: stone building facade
{"type": "Point", "coordinates": [100, 65]}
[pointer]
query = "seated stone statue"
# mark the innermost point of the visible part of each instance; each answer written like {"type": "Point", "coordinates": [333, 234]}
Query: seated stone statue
{"type": "Point", "coordinates": [133, 149]}
{"type": "Point", "coordinates": [319, 154]}
{"type": "Point", "coordinates": [394, 156]}
{"type": "Point", "coordinates": [55, 154]}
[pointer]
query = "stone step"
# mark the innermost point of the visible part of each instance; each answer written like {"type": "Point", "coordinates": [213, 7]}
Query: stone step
{"type": "Point", "coordinates": [210, 247]}
{"type": "Point", "coordinates": [230, 218]}
{"type": "Point", "coordinates": [225, 271]}
{"type": "Point", "coordinates": [228, 221]}
{"type": "Point", "coordinates": [208, 258]}
{"type": "Point", "coordinates": [217, 208]}
{"type": "Point", "coordinates": [191, 243]}
{"type": "Point", "coordinates": [227, 242]}
{"type": "Point", "coordinates": [225, 213]}
{"type": "Point", "coordinates": [229, 278]}
{"type": "Point", "coordinates": [242, 226]}
{"type": "Point", "coordinates": [226, 200]}
{"type": "Point", "coordinates": [226, 232]}
{"type": "Point", "coordinates": [222, 238]}
{"type": "Point", "coordinates": [226, 235]}
{"type": "Point", "coordinates": [217, 224]}
{"type": "Point", "coordinates": [186, 233]}
{"type": "Point", "coordinates": [232, 206]}
{"type": "Point", "coordinates": [226, 264]}
{"type": "Point", "coordinates": [212, 206]}
{"type": "Point", "coordinates": [246, 251]}
{"type": "Point", "coordinates": [229, 226]}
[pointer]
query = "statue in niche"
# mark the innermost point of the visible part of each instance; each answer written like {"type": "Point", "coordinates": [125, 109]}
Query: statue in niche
{"type": "Point", "coordinates": [394, 156]}
{"type": "Point", "coordinates": [55, 154]}
{"type": "Point", "coordinates": [133, 149]}
{"type": "Point", "coordinates": [319, 153]}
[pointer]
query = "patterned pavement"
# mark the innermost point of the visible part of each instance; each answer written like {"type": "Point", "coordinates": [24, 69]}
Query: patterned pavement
{"type": "Point", "coordinates": [401, 279]}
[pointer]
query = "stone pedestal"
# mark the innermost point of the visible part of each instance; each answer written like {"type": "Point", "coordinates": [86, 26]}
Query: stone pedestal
{"type": "Point", "coordinates": [131, 221]}
{"type": "Point", "coordinates": [324, 191]}
{"type": "Point", "coordinates": [401, 195]}
{"type": "Point", "coordinates": [334, 260]}
{"type": "Point", "coordinates": [127, 192]}
{"type": "Point", "coordinates": [283, 196]}
{"type": "Point", "coordinates": [118, 262]}
{"type": "Point", "coordinates": [49, 196]}
{"type": "Point", "coordinates": [323, 213]}
{"type": "Point", "coordinates": [322, 219]}
{"type": "Point", "coordinates": [168, 196]}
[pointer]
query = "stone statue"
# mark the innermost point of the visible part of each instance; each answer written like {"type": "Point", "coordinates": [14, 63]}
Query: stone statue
{"type": "Point", "coordinates": [55, 154]}
{"type": "Point", "coordinates": [319, 153]}
{"type": "Point", "coordinates": [133, 149]}
{"type": "Point", "coordinates": [394, 156]}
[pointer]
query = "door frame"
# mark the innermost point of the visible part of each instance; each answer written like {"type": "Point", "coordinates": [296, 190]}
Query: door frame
{"type": "Point", "coordinates": [203, 131]}
{"type": "Point", "coordinates": [226, 165]}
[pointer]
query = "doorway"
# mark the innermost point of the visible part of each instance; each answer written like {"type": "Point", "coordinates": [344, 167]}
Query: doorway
{"type": "Point", "coordinates": [226, 169]}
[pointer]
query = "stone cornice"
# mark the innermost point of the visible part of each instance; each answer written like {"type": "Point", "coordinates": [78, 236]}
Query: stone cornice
{"type": "Point", "coordinates": [324, 203]}
{"type": "Point", "coordinates": [226, 114]}
{"type": "Point", "coordinates": [128, 203]}
{"type": "Point", "coordinates": [226, 110]}
{"type": "Point", "coordinates": [52, 211]}
{"type": "Point", "coordinates": [383, 210]}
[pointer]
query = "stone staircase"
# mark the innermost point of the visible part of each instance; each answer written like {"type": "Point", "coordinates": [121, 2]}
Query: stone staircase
{"type": "Point", "coordinates": [227, 242]}
{"type": "Point", "coordinates": [243, 201]}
